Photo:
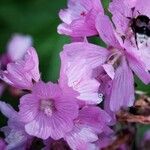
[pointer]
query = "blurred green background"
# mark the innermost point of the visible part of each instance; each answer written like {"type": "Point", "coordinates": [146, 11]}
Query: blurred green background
{"type": "Point", "coordinates": [39, 18]}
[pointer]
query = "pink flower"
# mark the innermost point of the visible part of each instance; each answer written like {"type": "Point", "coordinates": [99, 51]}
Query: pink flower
{"type": "Point", "coordinates": [79, 18]}
{"type": "Point", "coordinates": [94, 57]}
{"type": "Point", "coordinates": [90, 122]}
{"type": "Point", "coordinates": [77, 62]}
{"type": "Point", "coordinates": [24, 72]}
{"type": "Point", "coordinates": [2, 144]}
{"type": "Point", "coordinates": [17, 46]}
{"type": "Point", "coordinates": [47, 112]}
{"type": "Point", "coordinates": [15, 134]}
{"type": "Point", "coordinates": [119, 66]}
{"type": "Point", "coordinates": [123, 14]}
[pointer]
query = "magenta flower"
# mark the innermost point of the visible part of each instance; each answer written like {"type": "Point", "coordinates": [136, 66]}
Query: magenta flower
{"type": "Point", "coordinates": [90, 122]}
{"type": "Point", "coordinates": [77, 62]}
{"type": "Point", "coordinates": [15, 135]}
{"type": "Point", "coordinates": [47, 112]}
{"type": "Point", "coordinates": [119, 66]}
{"type": "Point", "coordinates": [2, 144]}
{"type": "Point", "coordinates": [135, 41]}
{"type": "Point", "coordinates": [79, 18]}
{"type": "Point", "coordinates": [17, 46]}
{"type": "Point", "coordinates": [24, 72]}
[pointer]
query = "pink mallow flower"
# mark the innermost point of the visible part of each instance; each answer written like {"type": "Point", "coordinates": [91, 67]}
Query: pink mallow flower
{"type": "Point", "coordinates": [116, 61]}
{"type": "Point", "coordinates": [15, 135]}
{"type": "Point", "coordinates": [136, 37]}
{"type": "Point", "coordinates": [17, 46]}
{"type": "Point", "coordinates": [120, 65]}
{"type": "Point", "coordinates": [24, 72]}
{"type": "Point", "coordinates": [77, 62]}
{"type": "Point", "coordinates": [79, 18]}
{"type": "Point", "coordinates": [47, 112]}
{"type": "Point", "coordinates": [90, 122]}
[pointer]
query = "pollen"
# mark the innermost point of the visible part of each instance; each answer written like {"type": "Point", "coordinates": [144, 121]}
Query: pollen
{"type": "Point", "coordinates": [47, 107]}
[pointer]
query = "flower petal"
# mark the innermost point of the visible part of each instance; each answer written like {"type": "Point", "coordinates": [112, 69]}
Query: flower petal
{"type": "Point", "coordinates": [21, 73]}
{"type": "Point", "coordinates": [78, 137]}
{"type": "Point", "coordinates": [139, 68]}
{"type": "Point", "coordinates": [8, 110]}
{"type": "Point", "coordinates": [78, 62]}
{"type": "Point", "coordinates": [108, 36]}
{"type": "Point", "coordinates": [122, 93]}
{"type": "Point", "coordinates": [18, 45]}
{"type": "Point", "coordinates": [29, 106]}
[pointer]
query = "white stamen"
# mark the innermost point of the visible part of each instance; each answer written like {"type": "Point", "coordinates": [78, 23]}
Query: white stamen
{"type": "Point", "coordinates": [47, 107]}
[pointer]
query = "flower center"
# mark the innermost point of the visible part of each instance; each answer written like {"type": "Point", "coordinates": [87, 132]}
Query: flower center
{"type": "Point", "coordinates": [114, 59]}
{"type": "Point", "coordinates": [47, 106]}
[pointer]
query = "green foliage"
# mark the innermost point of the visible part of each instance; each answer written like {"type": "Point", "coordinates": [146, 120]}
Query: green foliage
{"type": "Point", "coordinates": [38, 18]}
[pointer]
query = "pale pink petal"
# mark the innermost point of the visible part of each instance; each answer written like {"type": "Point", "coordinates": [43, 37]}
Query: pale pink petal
{"type": "Point", "coordinates": [79, 137]}
{"type": "Point", "coordinates": [78, 60]}
{"type": "Point", "coordinates": [7, 110]}
{"type": "Point", "coordinates": [39, 127]}
{"type": "Point", "coordinates": [109, 70]}
{"type": "Point", "coordinates": [44, 91]}
{"type": "Point", "coordinates": [143, 7]}
{"type": "Point", "coordinates": [86, 27]}
{"type": "Point", "coordinates": [92, 54]}
{"type": "Point", "coordinates": [139, 68]}
{"type": "Point", "coordinates": [29, 107]}
{"type": "Point", "coordinates": [60, 126]}
{"type": "Point", "coordinates": [18, 45]}
{"type": "Point", "coordinates": [64, 28]}
{"type": "Point", "coordinates": [54, 127]}
{"type": "Point", "coordinates": [69, 110]}
{"type": "Point", "coordinates": [106, 30]}
{"type": "Point", "coordinates": [79, 18]}
{"type": "Point", "coordinates": [94, 117]}
{"type": "Point", "coordinates": [122, 93]}
{"type": "Point", "coordinates": [121, 9]}
{"type": "Point", "coordinates": [23, 72]}
{"type": "Point", "coordinates": [145, 56]}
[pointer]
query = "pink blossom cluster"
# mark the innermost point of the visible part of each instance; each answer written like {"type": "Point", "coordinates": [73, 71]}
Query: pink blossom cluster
{"type": "Point", "coordinates": [95, 82]}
